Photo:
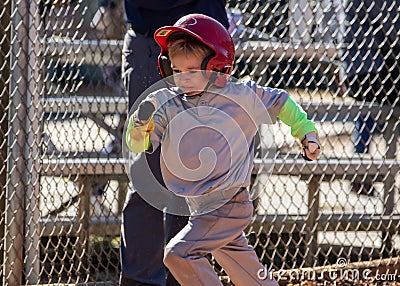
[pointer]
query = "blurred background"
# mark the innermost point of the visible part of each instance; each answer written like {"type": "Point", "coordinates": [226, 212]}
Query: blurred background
{"type": "Point", "coordinates": [62, 109]}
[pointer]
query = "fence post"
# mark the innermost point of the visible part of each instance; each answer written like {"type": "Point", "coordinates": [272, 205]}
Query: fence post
{"type": "Point", "coordinates": [390, 135]}
{"type": "Point", "coordinates": [4, 100]}
{"type": "Point", "coordinates": [32, 148]}
{"type": "Point", "coordinates": [312, 220]}
{"type": "Point", "coordinates": [22, 190]}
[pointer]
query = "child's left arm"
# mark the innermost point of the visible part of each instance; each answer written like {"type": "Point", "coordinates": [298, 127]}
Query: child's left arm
{"type": "Point", "coordinates": [301, 128]}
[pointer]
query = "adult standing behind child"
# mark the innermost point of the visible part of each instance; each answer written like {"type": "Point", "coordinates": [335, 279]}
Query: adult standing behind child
{"type": "Point", "coordinates": [142, 234]}
{"type": "Point", "coordinates": [206, 126]}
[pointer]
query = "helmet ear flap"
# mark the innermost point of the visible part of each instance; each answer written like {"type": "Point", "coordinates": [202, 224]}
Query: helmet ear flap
{"type": "Point", "coordinates": [209, 73]}
{"type": "Point", "coordinates": [205, 61]}
{"type": "Point", "coordinates": [219, 78]}
{"type": "Point", "coordinates": [164, 66]}
{"type": "Point", "coordinates": [165, 70]}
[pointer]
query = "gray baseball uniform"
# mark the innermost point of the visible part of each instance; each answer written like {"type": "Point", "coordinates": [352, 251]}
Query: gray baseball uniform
{"type": "Point", "coordinates": [207, 157]}
{"type": "Point", "coordinates": [222, 123]}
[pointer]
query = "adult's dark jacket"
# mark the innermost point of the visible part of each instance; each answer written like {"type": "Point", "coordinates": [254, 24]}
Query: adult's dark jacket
{"type": "Point", "coordinates": [150, 15]}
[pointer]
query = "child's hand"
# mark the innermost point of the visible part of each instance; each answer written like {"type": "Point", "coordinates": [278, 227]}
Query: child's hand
{"type": "Point", "coordinates": [310, 147]}
{"type": "Point", "coordinates": [145, 110]}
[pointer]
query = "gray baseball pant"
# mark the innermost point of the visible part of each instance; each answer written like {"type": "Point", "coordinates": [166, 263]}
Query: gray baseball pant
{"type": "Point", "coordinates": [220, 233]}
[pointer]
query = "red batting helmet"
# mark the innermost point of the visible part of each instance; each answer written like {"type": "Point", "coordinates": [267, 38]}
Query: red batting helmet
{"type": "Point", "coordinates": [210, 32]}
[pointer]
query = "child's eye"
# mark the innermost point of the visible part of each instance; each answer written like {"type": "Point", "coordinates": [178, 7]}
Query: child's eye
{"type": "Point", "coordinates": [193, 72]}
{"type": "Point", "coordinates": [176, 71]}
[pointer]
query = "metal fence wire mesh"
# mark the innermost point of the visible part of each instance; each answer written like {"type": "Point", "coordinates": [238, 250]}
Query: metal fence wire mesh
{"type": "Point", "coordinates": [63, 182]}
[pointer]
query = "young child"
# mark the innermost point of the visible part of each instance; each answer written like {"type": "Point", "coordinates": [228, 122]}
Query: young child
{"type": "Point", "coordinates": [206, 126]}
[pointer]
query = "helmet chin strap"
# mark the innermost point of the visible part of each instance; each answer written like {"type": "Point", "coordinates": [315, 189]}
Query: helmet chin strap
{"type": "Point", "coordinates": [209, 83]}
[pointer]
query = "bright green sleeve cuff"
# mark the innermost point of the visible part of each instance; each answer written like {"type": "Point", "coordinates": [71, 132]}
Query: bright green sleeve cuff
{"type": "Point", "coordinates": [296, 118]}
{"type": "Point", "coordinates": [137, 146]}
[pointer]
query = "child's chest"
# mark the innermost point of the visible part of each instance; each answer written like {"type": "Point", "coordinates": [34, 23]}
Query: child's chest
{"type": "Point", "coordinates": [210, 121]}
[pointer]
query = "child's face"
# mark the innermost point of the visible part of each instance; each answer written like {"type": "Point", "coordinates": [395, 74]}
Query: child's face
{"type": "Point", "coordinates": [187, 73]}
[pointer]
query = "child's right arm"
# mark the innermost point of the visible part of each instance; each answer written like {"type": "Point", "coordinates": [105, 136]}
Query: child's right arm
{"type": "Point", "coordinates": [147, 124]}
{"type": "Point", "coordinates": [140, 125]}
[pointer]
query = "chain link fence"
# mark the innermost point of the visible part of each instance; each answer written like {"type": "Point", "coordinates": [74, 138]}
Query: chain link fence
{"type": "Point", "coordinates": [63, 182]}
